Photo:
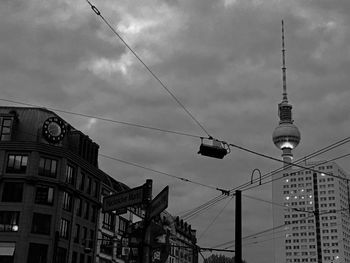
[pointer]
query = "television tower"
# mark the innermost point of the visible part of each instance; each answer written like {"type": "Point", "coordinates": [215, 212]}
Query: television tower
{"type": "Point", "coordinates": [286, 136]}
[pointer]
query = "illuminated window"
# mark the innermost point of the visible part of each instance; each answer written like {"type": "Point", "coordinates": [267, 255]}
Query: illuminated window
{"type": "Point", "coordinates": [64, 228]}
{"type": "Point", "coordinates": [47, 167]}
{"type": "Point", "coordinates": [5, 128]}
{"type": "Point", "coordinates": [9, 221]}
{"type": "Point", "coordinates": [17, 163]}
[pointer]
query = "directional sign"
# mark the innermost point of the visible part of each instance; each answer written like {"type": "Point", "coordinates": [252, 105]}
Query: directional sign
{"type": "Point", "coordinates": [159, 203]}
{"type": "Point", "coordinates": [124, 199]}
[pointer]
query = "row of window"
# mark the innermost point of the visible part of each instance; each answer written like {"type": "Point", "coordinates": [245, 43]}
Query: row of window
{"type": "Point", "coordinates": [41, 224]}
{"type": "Point", "coordinates": [37, 253]}
{"type": "Point", "coordinates": [44, 195]}
{"type": "Point", "coordinates": [17, 163]}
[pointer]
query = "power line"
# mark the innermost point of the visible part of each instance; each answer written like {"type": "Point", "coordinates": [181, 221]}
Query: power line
{"type": "Point", "coordinates": [284, 162]}
{"type": "Point", "coordinates": [105, 119]}
{"type": "Point", "coordinates": [162, 173]}
{"type": "Point", "coordinates": [277, 227]}
{"type": "Point", "coordinates": [215, 218]}
{"type": "Point", "coordinates": [281, 177]}
{"type": "Point", "coordinates": [98, 13]}
{"type": "Point", "coordinates": [219, 198]}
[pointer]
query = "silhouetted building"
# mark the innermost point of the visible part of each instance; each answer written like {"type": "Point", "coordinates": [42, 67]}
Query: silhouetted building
{"type": "Point", "coordinates": [50, 188]}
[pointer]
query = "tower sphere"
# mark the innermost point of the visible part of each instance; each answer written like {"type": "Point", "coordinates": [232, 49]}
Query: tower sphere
{"type": "Point", "coordinates": [286, 135]}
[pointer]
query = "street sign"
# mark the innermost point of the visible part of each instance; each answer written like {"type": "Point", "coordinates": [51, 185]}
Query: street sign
{"type": "Point", "coordinates": [124, 199]}
{"type": "Point", "coordinates": [121, 211]}
{"type": "Point", "coordinates": [159, 203]}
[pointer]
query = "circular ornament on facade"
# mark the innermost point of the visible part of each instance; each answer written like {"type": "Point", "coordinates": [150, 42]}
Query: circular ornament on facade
{"type": "Point", "coordinates": [54, 129]}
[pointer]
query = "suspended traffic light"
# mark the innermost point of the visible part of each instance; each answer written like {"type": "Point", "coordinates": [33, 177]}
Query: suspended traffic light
{"type": "Point", "coordinates": [216, 149]}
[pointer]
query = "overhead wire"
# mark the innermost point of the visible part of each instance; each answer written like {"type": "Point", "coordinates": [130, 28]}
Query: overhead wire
{"type": "Point", "coordinates": [162, 173]}
{"type": "Point", "coordinates": [194, 212]}
{"type": "Point", "coordinates": [281, 177]}
{"type": "Point", "coordinates": [215, 200]}
{"type": "Point", "coordinates": [98, 13]}
{"type": "Point", "coordinates": [277, 227]}
{"type": "Point", "coordinates": [215, 218]}
{"type": "Point", "coordinates": [104, 119]}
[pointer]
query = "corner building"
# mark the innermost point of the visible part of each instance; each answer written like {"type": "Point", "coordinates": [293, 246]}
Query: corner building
{"type": "Point", "coordinates": [301, 234]}
{"type": "Point", "coordinates": [50, 188]}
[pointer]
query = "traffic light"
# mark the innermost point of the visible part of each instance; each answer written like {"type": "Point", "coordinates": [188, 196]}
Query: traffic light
{"type": "Point", "coordinates": [216, 150]}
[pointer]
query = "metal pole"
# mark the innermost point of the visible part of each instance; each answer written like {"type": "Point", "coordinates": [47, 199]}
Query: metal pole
{"type": "Point", "coordinates": [146, 244]}
{"type": "Point", "coordinates": [238, 227]}
{"type": "Point", "coordinates": [317, 219]}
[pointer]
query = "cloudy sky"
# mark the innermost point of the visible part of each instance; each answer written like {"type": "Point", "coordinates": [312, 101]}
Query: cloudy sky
{"type": "Point", "coordinates": [221, 59]}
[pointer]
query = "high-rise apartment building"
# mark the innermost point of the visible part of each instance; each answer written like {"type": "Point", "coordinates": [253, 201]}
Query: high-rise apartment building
{"type": "Point", "coordinates": [311, 214]}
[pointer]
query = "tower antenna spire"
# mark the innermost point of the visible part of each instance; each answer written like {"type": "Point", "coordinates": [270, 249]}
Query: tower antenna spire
{"type": "Point", "coordinates": [286, 136]}
{"type": "Point", "coordinates": [284, 69]}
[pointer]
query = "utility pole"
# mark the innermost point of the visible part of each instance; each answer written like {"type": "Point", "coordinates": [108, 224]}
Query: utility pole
{"type": "Point", "coordinates": [317, 219]}
{"type": "Point", "coordinates": [238, 228]}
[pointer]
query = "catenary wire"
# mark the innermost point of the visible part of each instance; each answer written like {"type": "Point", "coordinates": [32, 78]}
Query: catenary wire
{"type": "Point", "coordinates": [104, 119]}
{"type": "Point", "coordinates": [98, 13]}
{"type": "Point", "coordinates": [212, 202]}
{"type": "Point", "coordinates": [215, 218]}
{"type": "Point", "coordinates": [162, 173]}
{"type": "Point", "coordinates": [277, 227]}
{"type": "Point", "coordinates": [281, 161]}
{"type": "Point", "coordinates": [281, 177]}
{"type": "Point", "coordinates": [222, 197]}
{"type": "Point", "coordinates": [120, 160]}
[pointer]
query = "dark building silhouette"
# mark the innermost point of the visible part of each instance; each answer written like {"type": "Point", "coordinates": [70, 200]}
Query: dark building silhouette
{"type": "Point", "coordinates": [50, 188]}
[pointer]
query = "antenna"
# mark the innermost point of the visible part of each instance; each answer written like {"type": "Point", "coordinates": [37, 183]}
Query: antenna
{"type": "Point", "coordinates": [284, 73]}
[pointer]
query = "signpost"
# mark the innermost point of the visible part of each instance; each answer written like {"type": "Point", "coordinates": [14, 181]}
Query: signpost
{"type": "Point", "coordinates": [159, 203]}
{"type": "Point", "coordinates": [124, 199]}
{"type": "Point", "coordinates": [136, 196]}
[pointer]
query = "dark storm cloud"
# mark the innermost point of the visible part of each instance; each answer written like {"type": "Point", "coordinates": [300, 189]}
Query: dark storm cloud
{"type": "Point", "coordinates": [222, 59]}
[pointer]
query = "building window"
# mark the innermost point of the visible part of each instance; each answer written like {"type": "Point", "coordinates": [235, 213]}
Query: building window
{"type": "Point", "coordinates": [88, 185]}
{"type": "Point", "coordinates": [75, 257]}
{"type": "Point", "coordinates": [47, 167]}
{"type": "Point", "coordinates": [70, 175]}
{"type": "Point", "coordinates": [93, 214]}
{"type": "Point", "coordinates": [80, 181]}
{"type": "Point", "coordinates": [41, 224]}
{"type": "Point", "coordinates": [61, 255]}
{"type": "Point", "coordinates": [86, 210]}
{"type": "Point", "coordinates": [64, 228]}
{"type": "Point", "coordinates": [108, 221]}
{"type": "Point", "coordinates": [106, 246]}
{"type": "Point", "coordinates": [94, 189]}
{"type": "Point", "coordinates": [9, 221]}
{"type": "Point", "coordinates": [12, 192]}
{"type": "Point", "coordinates": [78, 206]}
{"type": "Point", "coordinates": [67, 201]}
{"type": "Point", "coordinates": [123, 224]}
{"type": "Point", "coordinates": [84, 238]}
{"type": "Point", "coordinates": [92, 238]}
{"type": "Point", "coordinates": [37, 253]}
{"type": "Point", "coordinates": [77, 233]}
{"type": "Point", "coordinates": [5, 128]}
{"type": "Point", "coordinates": [44, 195]}
{"type": "Point", "coordinates": [17, 163]}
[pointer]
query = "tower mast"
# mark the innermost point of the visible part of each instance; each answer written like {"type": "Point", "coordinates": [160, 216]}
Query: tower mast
{"type": "Point", "coordinates": [284, 69]}
{"type": "Point", "coordinates": [286, 136]}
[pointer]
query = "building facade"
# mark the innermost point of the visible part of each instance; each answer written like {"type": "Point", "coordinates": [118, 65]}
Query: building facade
{"type": "Point", "coordinates": [311, 214]}
{"type": "Point", "coordinates": [50, 188]}
{"type": "Point", "coordinates": [51, 194]}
